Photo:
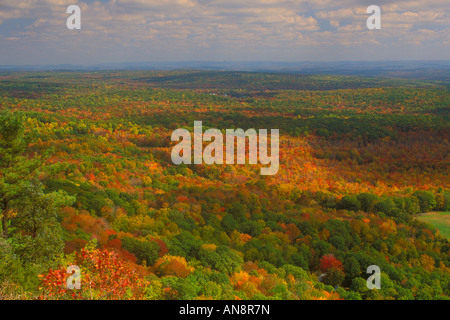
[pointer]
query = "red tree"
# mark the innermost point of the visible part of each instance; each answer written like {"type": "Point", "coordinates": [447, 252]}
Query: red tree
{"type": "Point", "coordinates": [104, 275]}
{"type": "Point", "coordinates": [329, 261]}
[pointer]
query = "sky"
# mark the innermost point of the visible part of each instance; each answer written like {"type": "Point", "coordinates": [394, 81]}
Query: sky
{"type": "Point", "coordinates": [35, 32]}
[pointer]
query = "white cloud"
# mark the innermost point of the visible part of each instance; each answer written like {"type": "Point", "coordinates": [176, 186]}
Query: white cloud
{"type": "Point", "coordinates": [198, 29]}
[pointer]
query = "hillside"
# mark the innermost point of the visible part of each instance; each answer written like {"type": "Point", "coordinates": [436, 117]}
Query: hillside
{"type": "Point", "coordinates": [86, 178]}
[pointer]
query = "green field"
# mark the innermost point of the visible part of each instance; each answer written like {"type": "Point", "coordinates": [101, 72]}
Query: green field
{"type": "Point", "coordinates": [440, 220]}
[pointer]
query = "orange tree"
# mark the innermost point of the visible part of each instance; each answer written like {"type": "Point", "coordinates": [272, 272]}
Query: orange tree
{"type": "Point", "coordinates": [104, 276]}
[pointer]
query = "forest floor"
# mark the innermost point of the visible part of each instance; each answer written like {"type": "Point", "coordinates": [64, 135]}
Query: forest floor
{"type": "Point", "coordinates": [440, 220]}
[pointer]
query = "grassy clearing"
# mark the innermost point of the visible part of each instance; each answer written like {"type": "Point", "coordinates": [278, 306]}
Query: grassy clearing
{"type": "Point", "coordinates": [440, 220]}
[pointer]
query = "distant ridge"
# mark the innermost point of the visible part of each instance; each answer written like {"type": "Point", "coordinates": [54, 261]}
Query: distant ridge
{"type": "Point", "coordinates": [423, 70]}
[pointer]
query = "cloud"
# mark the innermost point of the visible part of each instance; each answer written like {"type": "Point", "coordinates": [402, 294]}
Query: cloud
{"type": "Point", "coordinates": [217, 29]}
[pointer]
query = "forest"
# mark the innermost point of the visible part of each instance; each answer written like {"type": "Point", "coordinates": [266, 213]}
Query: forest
{"type": "Point", "coordinates": [86, 179]}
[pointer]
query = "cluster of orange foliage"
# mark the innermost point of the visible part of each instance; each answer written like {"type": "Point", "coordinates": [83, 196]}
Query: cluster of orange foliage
{"type": "Point", "coordinates": [104, 275]}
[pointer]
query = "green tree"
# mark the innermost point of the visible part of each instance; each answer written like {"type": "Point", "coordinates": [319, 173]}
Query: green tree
{"type": "Point", "coordinates": [352, 268]}
{"type": "Point", "coordinates": [16, 168]}
{"type": "Point", "coordinates": [427, 200]}
{"type": "Point", "coordinates": [367, 201]}
{"type": "Point", "coordinates": [223, 259]}
{"type": "Point", "coordinates": [334, 277]}
{"type": "Point", "coordinates": [349, 203]}
{"type": "Point", "coordinates": [143, 250]}
{"type": "Point", "coordinates": [35, 230]}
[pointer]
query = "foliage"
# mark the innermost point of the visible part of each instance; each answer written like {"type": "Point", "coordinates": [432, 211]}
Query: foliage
{"type": "Point", "coordinates": [86, 156]}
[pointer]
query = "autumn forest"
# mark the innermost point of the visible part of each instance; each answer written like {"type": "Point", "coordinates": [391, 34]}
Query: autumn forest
{"type": "Point", "coordinates": [87, 180]}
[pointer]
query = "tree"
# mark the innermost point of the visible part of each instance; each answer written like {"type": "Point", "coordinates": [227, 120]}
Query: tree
{"type": "Point", "coordinates": [352, 268]}
{"type": "Point", "coordinates": [143, 250]}
{"type": "Point", "coordinates": [427, 200]}
{"type": "Point", "coordinates": [349, 203]}
{"type": "Point", "coordinates": [329, 261]}
{"type": "Point", "coordinates": [104, 276]}
{"type": "Point", "coordinates": [35, 230]}
{"type": "Point", "coordinates": [334, 277]}
{"type": "Point", "coordinates": [185, 244]}
{"type": "Point", "coordinates": [16, 168]}
{"type": "Point", "coordinates": [298, 273]}
{"type": "Point", "coordinates": [223, 259]}
{"type": "Point", "coordinates": [427, 262]}
{"type": "Point", "coordinates": [367, 201]}
{"type": "Point", "coordinates": [359, 285]}
{"type": "Point", "coordinates": [386, 206]}
{"type": "Point", "coordinates": [172, 266]}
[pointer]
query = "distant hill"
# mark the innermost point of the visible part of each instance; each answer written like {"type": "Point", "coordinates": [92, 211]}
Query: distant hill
{"type": "Point", "coordinates": [421, 70]}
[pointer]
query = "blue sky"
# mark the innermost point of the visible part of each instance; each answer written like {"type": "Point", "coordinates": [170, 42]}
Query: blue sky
{"type": "Point", "coordinates": [35, 32]}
